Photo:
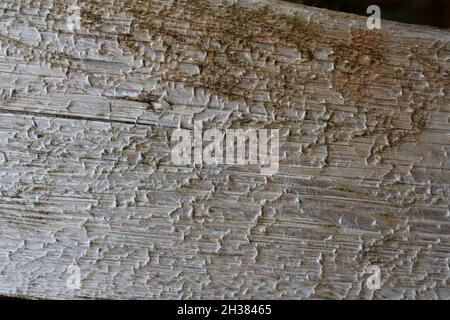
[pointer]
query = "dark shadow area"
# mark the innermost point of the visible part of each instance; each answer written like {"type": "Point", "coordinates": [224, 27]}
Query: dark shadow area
{"type": "Point", "coordinates": [426, 12]}
{"type": "Point", "coordinates": [5, 298]}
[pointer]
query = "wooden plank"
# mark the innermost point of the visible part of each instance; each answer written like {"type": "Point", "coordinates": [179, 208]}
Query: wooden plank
{"type": "Point", "coordinates": [87, 179]}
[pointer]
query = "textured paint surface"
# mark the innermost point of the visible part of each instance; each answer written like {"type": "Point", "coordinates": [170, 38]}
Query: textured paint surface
{"type": "Point", "coordinates": [86, 176]}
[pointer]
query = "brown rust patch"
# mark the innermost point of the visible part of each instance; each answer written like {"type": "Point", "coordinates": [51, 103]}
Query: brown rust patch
{"type": "Point", "coordinates": [234, 49]}
{"type": "Point", "coordinates": [234, 40]}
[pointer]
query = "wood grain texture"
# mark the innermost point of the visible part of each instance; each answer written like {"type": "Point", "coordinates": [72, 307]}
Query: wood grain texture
{"type": "Point", "coordinates": [86, 176]}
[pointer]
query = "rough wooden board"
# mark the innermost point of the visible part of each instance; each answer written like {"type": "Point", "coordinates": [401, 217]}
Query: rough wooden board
{"type": "Point", "coordinates": [86, 176]}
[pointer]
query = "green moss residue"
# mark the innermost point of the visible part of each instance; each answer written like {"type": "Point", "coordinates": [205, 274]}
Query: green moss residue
{"type": "Point", "coordinates": [295, 19]}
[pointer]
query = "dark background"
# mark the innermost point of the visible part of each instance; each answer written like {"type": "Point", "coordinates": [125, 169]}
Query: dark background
{"type": "Point", "coordinates": [427, 12]}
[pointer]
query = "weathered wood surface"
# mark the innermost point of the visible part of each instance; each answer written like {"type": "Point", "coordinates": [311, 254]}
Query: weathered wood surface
{"type": "Point", "coordinates": [86, 177]}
